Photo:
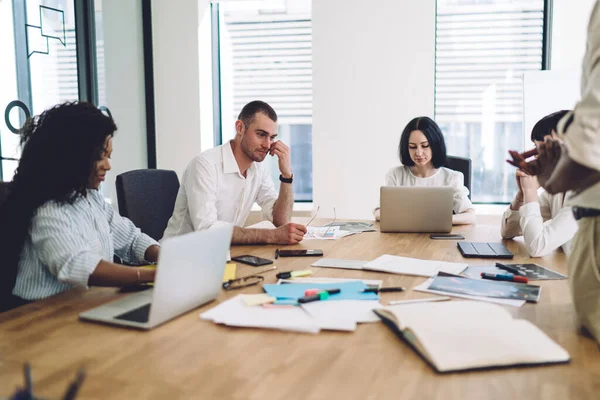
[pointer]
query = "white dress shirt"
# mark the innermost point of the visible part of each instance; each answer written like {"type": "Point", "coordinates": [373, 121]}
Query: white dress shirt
{"type": "Point", "coordinates": [403, 176]}
{"type": "Point", "coordinates": [582, 136]}
{"type": "Point", "coordinates": [67, 241]}
{"type": "Point", "coordinates": [545, 225]}
{"type": "Point", "coordinates": [213, 192]}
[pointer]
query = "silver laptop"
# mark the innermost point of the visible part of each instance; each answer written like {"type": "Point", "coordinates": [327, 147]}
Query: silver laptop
{"type": "Point", "coordinates": [416, 209]}
{"type": "Point", "coordinates": [189, 274]}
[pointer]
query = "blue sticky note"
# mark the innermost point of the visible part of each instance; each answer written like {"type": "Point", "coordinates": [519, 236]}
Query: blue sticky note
{"type": "Point", "coordinates": [348, 290]}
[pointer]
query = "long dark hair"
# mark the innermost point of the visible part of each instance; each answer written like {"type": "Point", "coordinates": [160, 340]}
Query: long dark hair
{"type": "Point", "coordinates": [60, 149]}
{"type": "Point", "coordinates": [434, 136]}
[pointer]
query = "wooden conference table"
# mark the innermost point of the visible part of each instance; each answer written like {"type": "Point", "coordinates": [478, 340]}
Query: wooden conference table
{"type": "Point", "coordinates": [188, 358]}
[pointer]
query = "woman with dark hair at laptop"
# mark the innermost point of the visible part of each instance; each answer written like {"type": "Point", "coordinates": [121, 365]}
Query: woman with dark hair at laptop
{"type": "Point", "coordinates": [56, 230]}
{"type": "Point", "coordinates": [544, 220]}
{"type": "Point", "coordinates": [422, 153]}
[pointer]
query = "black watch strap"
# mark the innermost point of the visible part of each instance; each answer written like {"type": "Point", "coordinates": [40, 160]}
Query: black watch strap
{"type": "Point", "coordinates": [286, 180]}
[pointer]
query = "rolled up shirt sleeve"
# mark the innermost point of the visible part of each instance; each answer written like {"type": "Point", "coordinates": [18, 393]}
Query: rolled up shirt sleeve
{"type": "Point", "coordinates": [541, 237]}
{"type": "Point", "coordinates": [582, 135]}
{"type": "Point", "coordinates": [130, 243]}
{"type": "Point", "coordinates": [67, 254]}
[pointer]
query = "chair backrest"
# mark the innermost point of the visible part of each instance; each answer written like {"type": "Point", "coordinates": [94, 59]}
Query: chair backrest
{"type": "Point", "coordinates": [463, 165]}
{"type": "Point", "coordinates": [147, 198]}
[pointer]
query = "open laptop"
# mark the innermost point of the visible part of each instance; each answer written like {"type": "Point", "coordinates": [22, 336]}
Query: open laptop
{"type": "Point", "coordinates": [416, 209]}
{"type": "Point", "coordinates": [189, 274]}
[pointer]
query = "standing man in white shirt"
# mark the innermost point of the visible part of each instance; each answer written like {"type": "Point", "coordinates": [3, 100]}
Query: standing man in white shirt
{"type": "Point", "coordinates": [544, 220]}
{"type": "Point", "coordinates": [220, 185]}
{"type": "Point", "coordinates": [576, 166]}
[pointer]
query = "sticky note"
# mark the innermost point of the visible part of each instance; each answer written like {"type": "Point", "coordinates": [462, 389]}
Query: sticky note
{"type": "Point", "coordinates": [229, 272]}
{"type": "Point", "coordinates": [257, 299]}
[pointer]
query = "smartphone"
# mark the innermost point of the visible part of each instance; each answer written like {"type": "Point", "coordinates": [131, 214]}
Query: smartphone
{"type": "Point", "coordinates": [300, 253]}
{"type": "Point", "coordinates": [252, 260]}
{"type": "Point", "coordinates": [446, 236]}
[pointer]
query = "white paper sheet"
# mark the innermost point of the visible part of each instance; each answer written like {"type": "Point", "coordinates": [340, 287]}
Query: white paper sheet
{"type": "Point", "coordinates": [234, 312]}
{"type": "Point", "coordinates": [358, 311]}
{"type": "Point", "coordinates": [508, 302]}
{"type": "Point", "coordinates": [413, 266]}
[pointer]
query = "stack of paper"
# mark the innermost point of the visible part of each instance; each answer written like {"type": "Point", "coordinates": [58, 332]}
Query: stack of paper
{"type": "Point", "coordinates": [413, 266]}
{"type": "Point", "coordinates": [235, 312]}
{"type": "Point", "coordinates": [351, 306]}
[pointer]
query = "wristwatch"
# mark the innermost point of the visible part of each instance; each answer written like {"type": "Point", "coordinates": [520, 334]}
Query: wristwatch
{"type": "Point", "coordinates": [286, 180]}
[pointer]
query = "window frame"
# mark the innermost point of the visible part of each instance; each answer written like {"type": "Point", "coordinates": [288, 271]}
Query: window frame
{"type": "Point", "coordinates": [546, 56]}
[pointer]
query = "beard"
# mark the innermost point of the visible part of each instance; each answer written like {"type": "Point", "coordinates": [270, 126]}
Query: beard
{"type": "Point", "coordinates": [254, 155]}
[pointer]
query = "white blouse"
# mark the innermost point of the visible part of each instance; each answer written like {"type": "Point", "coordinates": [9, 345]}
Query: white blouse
{"type": "Point", "coordinates": [403, 176]}
{"type": "Point", "coordinates": [545, 225]}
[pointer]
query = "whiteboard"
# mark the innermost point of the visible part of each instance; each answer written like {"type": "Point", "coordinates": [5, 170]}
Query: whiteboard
{"type": "Point", "coordinates": [545, 92]}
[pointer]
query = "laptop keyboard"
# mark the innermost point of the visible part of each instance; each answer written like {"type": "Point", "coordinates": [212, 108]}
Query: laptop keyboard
{"type": "Point", "coordinates": [140, 314]}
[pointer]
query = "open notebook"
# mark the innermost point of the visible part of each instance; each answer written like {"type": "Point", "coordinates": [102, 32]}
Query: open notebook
{"type": "Point", "coordinates": [464, 335]}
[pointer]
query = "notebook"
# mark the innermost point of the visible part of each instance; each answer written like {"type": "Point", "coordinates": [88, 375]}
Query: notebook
{"type": "Point", "coordinates": [484, 250]}
{"type": "Point", "coordinates": [412, 266]}
{"type": "Point", "coordinates": [466, 335]}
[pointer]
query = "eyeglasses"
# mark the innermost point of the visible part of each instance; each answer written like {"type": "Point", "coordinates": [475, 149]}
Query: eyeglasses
{"type": "Point", "coordinates": [248, 280]}
{"type": "Point", "coordinates": [329, 225]}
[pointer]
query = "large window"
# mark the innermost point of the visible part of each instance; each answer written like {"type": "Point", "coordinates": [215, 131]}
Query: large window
{"type": "Point", "coordinates": [265, 53]}
{"type": "Point", "coordinates": [482, 49]}
{"type": "Point", "coordinates": [43, 64]}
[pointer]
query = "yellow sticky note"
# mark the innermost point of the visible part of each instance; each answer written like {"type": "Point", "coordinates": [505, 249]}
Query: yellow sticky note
{"type": "Point", "coordinates": [257, 299]}
{"type": "Point", "coordinates": [229, 272]}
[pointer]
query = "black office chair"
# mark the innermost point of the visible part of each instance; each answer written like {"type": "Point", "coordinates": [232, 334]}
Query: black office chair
{"type": "Point", "coordinates": [463, 165]}
{"type": "Point", "coordinates": [147, 198]}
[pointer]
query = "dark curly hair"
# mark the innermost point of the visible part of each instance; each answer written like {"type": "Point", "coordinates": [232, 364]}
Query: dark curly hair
{"type": "Point", "coordinates": [60, 149]}
{"type": "Point", "coordinates": [434, 136]}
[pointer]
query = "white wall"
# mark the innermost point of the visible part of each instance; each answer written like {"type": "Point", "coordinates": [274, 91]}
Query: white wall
{"type": "Point", "coordinates": [176, 81]}
{"type": "Point", "coordinates": [125, 93]}
{"type": "Point", "coordinates": [569, 31]}
{"type": "Point", "coordinates": [373, 70]}
{"type": "Point", "coordinates": [545, 92]}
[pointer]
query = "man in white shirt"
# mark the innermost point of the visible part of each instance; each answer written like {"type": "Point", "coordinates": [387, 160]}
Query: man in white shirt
{"type": "Point", "coordinates": [220, 185]}
{"type": "Point", "coordinates": [543, 219]}
{"type": "Point", "coordinates": [576, 166]}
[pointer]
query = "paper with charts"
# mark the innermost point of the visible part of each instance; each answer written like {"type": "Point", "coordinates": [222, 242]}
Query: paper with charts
{"type": "Point", "coordinates": [413, 266]}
